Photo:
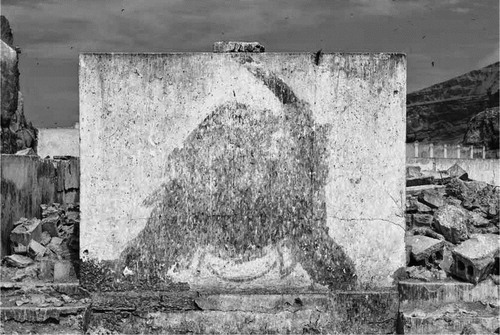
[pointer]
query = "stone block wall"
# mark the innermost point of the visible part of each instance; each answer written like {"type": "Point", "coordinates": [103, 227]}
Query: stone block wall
{"type": "Point", "coordinates": [241, 171]}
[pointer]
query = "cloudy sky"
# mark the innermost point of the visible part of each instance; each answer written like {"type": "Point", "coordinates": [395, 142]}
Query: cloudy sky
{"type": "Point", "coordinates": [457, 35]}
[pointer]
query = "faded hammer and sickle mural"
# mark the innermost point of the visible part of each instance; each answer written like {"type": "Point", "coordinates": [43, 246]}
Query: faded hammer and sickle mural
{"type": "Point", "coordinates": [244, 198]}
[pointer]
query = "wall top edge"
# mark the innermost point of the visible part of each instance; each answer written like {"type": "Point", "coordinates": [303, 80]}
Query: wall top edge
{"type": "Point", "coordinates": [394, 54]}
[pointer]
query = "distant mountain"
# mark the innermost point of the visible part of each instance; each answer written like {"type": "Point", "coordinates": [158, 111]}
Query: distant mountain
{"type": "Point", "coordinates": [441, 112]}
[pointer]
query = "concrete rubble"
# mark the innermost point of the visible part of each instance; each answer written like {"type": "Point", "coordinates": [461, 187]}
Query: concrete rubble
{"type": "Point", "coordinates": [44, 250]}
{"type": "Point", "coordinates": [455, 219]}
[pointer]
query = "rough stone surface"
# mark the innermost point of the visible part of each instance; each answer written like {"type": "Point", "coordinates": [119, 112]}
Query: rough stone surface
{"type": "Point", "coordinates": [431, 198]}
{"type": "Point", "coordinates": [27, 231]}
{"type": "Point", "coordinates": [250, 170]}
{"type": "Point", "coordinates": [458, 172]}
{"type": "Point", "coordinates": [62, 271]}
{"type": "Point", "coordinates": [19, 261]}
{"type": "Point", "coordinates": [35, 249]}
{"type": "Point", "coordinates": [238, 47]}
{"type": "Point", "coordinates": [423, 219]}
{"type": "Point", "coordinates": [451, 222]}
{"type": "Point", "coordinates": [49, 224]}
{"type": "Point", "coordinates": [474, 259]}
{"type": "Point", "coordinates": [424, 248]}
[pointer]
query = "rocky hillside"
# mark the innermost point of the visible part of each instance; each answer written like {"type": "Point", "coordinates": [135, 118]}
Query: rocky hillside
{"type": "Point", "coordinates": [16, 133]}
{"type": "Point", "coordinates": [441, 112]}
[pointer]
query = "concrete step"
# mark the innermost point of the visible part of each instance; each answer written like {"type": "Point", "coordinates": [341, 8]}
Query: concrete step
{"type": "Point", "coordinates": [245, 312]}
{"type": "Point", "coordinates": [43, 308]}
{"type": "Point", "coordinates": [450, 318]}
{"type": "Point", "coordinates": [418, 293]}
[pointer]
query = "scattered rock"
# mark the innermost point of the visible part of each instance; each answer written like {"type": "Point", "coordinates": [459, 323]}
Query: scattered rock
{"type": "Point", "coordinates": [35, 249]}
{"type": "Point", "coordinates": [431, 198]}
{"type": "Point", "coordinates": [18, 261]}
{"type": "Point", "coordinates": [238, 47]}
{"type": "Point", "coordinates": [420, 273]}
{"type": "Point", "coordinates": [458, 172]}
{"type": "Point", "coordinates": [425, 250]}
{"type": "Point", "coordinates": [475, 328]}
{"type": "Point", "coordinates": [477, 220]}
{"type": "Point", "coordinates": [474, 259]}
{"type": "Point", "coordinates": [426, 231]}
{"type": "Point", "coordinates": [451, 222]}
{"type": "Point", "coordinates": [27, 231]}
{"type": "Point", "coordinates": [413, 171]}
{"type": "Point", "coordinates": [50, 223]}
{"type": "Point", "coordinates": [45, 239]}
{"type": "Point", "coordinates": [422, 220]}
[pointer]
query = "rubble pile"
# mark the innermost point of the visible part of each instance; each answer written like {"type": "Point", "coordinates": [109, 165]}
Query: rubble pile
{"type": "Point", "coordinates": [44, 250]}
{"type": "Point", "coordinates": [452, 226]}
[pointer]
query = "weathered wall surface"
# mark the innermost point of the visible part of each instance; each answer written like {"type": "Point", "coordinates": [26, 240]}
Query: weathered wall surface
{"type": "Point", "coordinates": [58, 142]}
{"type": "Point", "coordinates": [243, 170]}
{"type": "Point", "coordinates": [27, 182]}
{"type": "Point", "coordinates": [486, 170]}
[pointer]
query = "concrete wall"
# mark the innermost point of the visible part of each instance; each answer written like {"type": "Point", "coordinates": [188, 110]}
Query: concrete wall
{"type": "Point", "coordinates": [242, 171]}
{"type": "Point", "coordinates": [486, 170]}
{"type": "Point", "coordinates": [58, 142]}
{"type": "Point", "coordinates": [27, 182]}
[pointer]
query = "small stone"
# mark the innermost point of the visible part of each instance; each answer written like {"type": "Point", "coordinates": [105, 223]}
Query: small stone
{"type": "Point", "coordinates": [37, 299]}
{"type": "Point", "coordinates": [458, 172]}
{"type": "Point", "coordinates": [45, 239]}
{"type": "Point", "coordinates": [477, 220]}
{"type": "Point", "coordinates": [421, 273]}
{"type": "Point", "coordinates": [431, 198]}
{"type": "Point", "coordinates": [62, 271]}
{"type": "Point", "coordinates": [18, 261]}
{"type": "Point", "coordinates": [224, 46]}
{"type": "Point", "coordinates": [27, 231]}
{"type": "Point", "coordinates": [413, 171]}
{"type": "Point", "coordinates": [451, 222]}
{"type": "Point", "coordinates": [475, 258]}
{"type": "Point", "coordinates": [422, 219]}
{"type": "Point", "coordinates": [35, 249]}
{"type": "Point", "coordinates": [50, 223]}
{"type": "Point", "coordinates": [67, 299]}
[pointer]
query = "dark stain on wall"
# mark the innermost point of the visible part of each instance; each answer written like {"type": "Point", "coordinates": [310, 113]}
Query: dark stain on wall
{"type": "Point", "coordinates": [246, 178]}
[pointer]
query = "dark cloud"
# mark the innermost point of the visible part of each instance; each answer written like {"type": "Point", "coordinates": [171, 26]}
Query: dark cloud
{"type": "Point", "coordinates": [460, 35]}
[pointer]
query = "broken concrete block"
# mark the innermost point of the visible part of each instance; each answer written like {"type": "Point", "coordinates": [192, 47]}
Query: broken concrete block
{"type": "Point", "coordinates": [62, 271]}
{"type": "Point", "coordinates": [27, 231]}
{"type": "Point", "coordinates": [413, 171]}
{"type": "Point", "coordinates": [35, 249]}
{"type": "Point", "coordinates": [422, 219]}
{"type": "Point", "coordinates": [18, 248]}
{"type": "Point", "coordinates": [474, 259]}
{"type": "Point", "coordinates": [417, 181]}
{"type": "Point", "coordinates": [224, 46]}
{"type": "Point", "coordinates": [50, 223]}
{"type": "Point", "coordinates": [18, 261]}
{"type": "Point", "coordinates": [451, 222]}
{"type": "Point", "coordinates": [458, 172]}
{"type": "Point", "coordinates": [425, 250]}
{"type": "Point", "coordinates": [431, 198]}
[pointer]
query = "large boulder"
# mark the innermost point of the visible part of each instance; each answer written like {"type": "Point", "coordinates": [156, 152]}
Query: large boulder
{"type": "Point", "coordinates": [452, 222]}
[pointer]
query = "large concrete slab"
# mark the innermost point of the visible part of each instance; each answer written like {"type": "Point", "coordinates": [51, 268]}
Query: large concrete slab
{"type": "Point", "coordinates": [243, 170]}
